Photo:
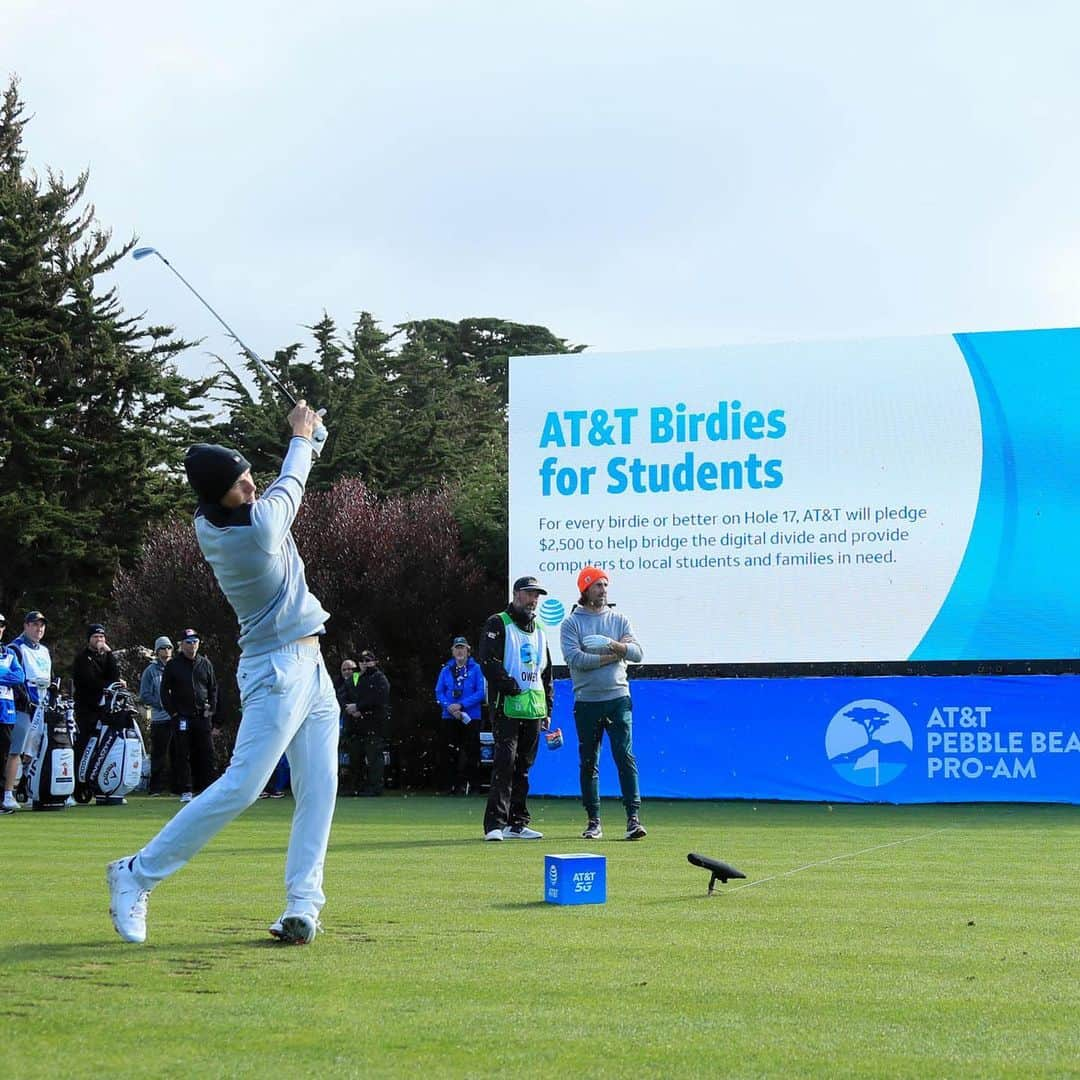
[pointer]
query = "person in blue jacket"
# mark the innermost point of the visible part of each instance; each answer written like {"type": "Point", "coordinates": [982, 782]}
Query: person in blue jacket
{"type": "Point", "coordinates": [460, 690]}
{"type": "Point", "coordinates": [11, 675]}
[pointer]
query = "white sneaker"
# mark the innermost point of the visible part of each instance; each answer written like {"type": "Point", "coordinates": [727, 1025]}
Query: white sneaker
{"type": "Point", "coordinates": [70, 801]}
{"type": "Point", "coordinates": [10, 802]}
{"type": "Point", "coordinates": [186, 797]}
{"type": "Point", "coordinates": [296, 929]}
{"type": "Point", "coordinates": [522, 832]}
{"type": "Point", "coordinates": [494, 834]}
{"type": "Point", "coordinates": [127, 901]}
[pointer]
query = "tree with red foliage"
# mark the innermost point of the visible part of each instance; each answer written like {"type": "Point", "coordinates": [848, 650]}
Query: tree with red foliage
{"type": "Point", "coordinates": [389, 570]}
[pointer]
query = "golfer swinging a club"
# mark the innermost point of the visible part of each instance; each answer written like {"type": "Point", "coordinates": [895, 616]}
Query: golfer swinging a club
{"type": "Point", "coordinates": [286, 695]}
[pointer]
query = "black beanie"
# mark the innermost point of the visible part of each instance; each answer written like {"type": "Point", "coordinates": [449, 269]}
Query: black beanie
{"type": "Point", "coordinates": [94, 628]}
{"type": "Point", "coordinates": [212, 470]}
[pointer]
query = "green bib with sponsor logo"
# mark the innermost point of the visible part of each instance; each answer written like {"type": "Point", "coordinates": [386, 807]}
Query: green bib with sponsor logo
{"type": "Point", "coordinates": [524, 658]}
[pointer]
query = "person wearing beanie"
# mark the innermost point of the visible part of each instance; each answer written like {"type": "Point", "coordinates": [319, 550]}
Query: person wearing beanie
{"type": "Point", "coordinates": [597, 643]}
{"type": "Point", "coordinates": [93, 669]}
{"type": "Point", "coordinates": [160, 720]}
{"type": "Point", "coordinates": [286, 695]}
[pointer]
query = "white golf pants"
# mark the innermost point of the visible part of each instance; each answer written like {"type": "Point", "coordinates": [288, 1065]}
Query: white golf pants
{"type": "Point", "coordinates": [289, 707]}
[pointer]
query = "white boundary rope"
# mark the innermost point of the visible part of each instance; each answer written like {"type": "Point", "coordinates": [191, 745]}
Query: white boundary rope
{"type": "Point", "coordinates": [836, 858]}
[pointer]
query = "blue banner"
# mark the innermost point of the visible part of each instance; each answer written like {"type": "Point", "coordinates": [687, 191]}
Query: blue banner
{"type": "Point", "coordinates": [910, 739]}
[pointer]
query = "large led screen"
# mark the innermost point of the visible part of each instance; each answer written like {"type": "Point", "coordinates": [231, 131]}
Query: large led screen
{"type": "Point", "coordinates": [892, 500]}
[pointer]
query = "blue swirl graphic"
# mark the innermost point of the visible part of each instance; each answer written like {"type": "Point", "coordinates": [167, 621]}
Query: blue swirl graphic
{"type": "Point", "coordinates": [552, 612]}
{"type": "Point", "coordinates": [1017, 591]}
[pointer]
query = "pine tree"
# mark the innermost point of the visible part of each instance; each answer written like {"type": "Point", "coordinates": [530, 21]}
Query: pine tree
{"type": "Point", "coordinates": [93, 415]}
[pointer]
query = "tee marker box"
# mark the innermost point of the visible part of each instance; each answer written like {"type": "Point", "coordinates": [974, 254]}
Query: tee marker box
{"type": "Point", "coordinates": [578, 878]}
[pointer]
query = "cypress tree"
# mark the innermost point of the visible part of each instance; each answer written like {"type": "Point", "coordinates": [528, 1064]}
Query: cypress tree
{"type": "Point", "coordinates": [93, 415]}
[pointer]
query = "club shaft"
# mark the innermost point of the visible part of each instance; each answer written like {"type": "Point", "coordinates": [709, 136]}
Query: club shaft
{"type": "Point", "coordinates": [249, 353]}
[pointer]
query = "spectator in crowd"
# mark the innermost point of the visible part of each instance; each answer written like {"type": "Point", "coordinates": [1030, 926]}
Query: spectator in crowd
{"type": "Point", "coordinates": [367, 708]}
{"type": "Point", "coordinates": [460, 690]}
{"type": "Point", "coordinates": [341, 687]}
{"type": "Point", "coordinates": [11, 675]}
{"type": "Point", "coordinates": [341, 691]}
{"type": "Point", "coordinates": [93, 669]}
{"type": "Point", "coordinates": [36, 664]}
{"type": "Point", "coordinates": [162, 779]}
{"type": "Point", "coordinates": [189, 693]}
{"type": "Point", "coordinates": [597, 643]}
{"type": "Point", "coordinates": [517, 665]}
{"type": "Point", "coordinates": [278, 782]}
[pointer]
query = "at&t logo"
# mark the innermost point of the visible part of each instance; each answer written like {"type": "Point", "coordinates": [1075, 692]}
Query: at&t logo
{"type": "Point", "coordinates": [868, 742]}
{"type": "Point", "coordinates": [552, 612]}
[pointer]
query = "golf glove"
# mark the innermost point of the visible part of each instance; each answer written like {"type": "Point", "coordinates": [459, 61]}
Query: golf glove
{"type": "Point", "coordinates": [597, 644]}
{"type": "Point", "coordinates": [318, 440]}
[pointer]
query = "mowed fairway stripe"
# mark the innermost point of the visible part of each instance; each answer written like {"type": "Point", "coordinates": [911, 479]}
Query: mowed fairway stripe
{"type": "Point", "coordinates": [837, 858]}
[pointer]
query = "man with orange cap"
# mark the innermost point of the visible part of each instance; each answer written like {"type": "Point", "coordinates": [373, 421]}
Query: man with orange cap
{"type": "Point", "coordinates": [597, 644]}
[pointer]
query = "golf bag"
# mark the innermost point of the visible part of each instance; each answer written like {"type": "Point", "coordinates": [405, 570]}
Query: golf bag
{"type": "Point", "coordinates": [50, 776]}
{"type": "Point", "coordinates": [112, 761]}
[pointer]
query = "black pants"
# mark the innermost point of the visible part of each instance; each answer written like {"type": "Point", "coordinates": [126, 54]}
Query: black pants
{"type": "Point", "coordinates": [516, 743]}
{"type": "Point", "coordinates": [461, 754]}
{"type": "Point", "coordinates": [85, 726]}
{"type": "Point", "coordinates": [162, 778]}
{"type": "Point", "coordinates": [193, 753]}
{"type": "Point", "coordinates": [367, 765]}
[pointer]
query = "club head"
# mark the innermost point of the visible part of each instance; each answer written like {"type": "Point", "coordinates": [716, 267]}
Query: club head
{"type": "Point", "coordinates": [141, 253]}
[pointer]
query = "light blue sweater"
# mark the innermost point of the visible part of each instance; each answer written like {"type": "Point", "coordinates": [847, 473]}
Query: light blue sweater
{"type": "Point", "coordinates": [254, 557]}
{"type": "Point", "coordinates": [593, 679]}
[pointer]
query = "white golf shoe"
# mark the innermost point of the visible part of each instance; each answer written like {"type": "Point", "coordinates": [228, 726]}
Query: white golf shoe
{"type": "Point", "coordinates": [522, 832]}
{"type": "Point", "coordinates": [493, 834]}
{"type": "Point", "coordinates": [127, 901]}
{"type": "Point", "coordinates": [296, 929]}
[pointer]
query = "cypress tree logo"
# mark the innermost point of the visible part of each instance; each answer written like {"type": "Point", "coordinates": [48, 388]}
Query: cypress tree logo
{"type": "Point", "coordinates": [868, 743]}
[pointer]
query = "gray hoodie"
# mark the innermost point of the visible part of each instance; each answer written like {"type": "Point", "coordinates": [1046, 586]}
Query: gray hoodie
{"type": "Point", "coordinates": [593, 679]}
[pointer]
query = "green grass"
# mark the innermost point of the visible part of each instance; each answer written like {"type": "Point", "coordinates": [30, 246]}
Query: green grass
{"type": "Point", "coordinates": [952, 954]}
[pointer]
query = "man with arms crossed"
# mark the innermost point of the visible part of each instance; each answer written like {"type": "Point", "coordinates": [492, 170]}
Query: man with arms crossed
{"type": "Point", "coordinates": [597, 643]}
{"type": "Point", "coordinates": [286, 695]}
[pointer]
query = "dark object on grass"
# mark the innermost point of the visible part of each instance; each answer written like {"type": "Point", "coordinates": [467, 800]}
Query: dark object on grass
{"type": "Point", "coordinates": [720, 870]}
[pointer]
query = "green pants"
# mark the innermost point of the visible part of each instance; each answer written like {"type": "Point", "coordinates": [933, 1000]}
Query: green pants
{"type": "Point", "coordinates": [590, 719]}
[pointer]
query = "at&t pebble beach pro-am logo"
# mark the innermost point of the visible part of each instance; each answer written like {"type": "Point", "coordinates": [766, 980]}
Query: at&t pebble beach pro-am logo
{"type": "Point", "coordinates": [868, 743]}
{"type": "Point", "coordinates": [552, 612]}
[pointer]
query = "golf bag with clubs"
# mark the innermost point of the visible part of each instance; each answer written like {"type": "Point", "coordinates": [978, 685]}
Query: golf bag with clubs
{"type": "Point", "coordinates": [112, 761]}
{"type": "Point", "coordinates": [50, 776]}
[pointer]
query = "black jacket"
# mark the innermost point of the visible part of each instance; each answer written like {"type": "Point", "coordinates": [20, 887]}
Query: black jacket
{"type": "Point", "coordinates": [189, 687]}
{"type": "Point", "coordinates": [369, 691]}
{"type": "Point", "coordinates": [493, 649]}
{"type": "Point", "coordinates": [91, 672]}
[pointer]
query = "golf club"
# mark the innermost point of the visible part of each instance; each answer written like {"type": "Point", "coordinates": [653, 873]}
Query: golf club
{"type": "Point", "coordinates": [142, 252]}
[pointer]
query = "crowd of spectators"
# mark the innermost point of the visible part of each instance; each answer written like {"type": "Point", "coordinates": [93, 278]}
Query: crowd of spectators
{"type": "Point", "coordinates": [506, 690]}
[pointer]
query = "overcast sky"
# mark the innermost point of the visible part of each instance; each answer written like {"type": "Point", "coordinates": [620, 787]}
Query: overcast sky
{"type": "Point", "coordinates": [631, 175]}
